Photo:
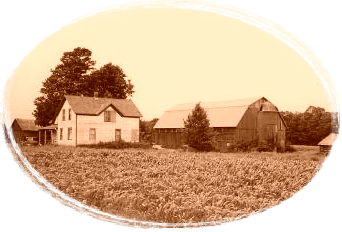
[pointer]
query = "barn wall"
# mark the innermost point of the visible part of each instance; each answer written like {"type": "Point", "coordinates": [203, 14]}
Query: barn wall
{"type": "Point", "coordinates": [246, 130]}
{"type": "Point", "coordinates": [174, 138]}
{"type": "Point", "coordinates": [224, 136]}
{"type": "Point", "coordinates": [171, 138]}
{"type": "Point", "coordinates": [271, 128]}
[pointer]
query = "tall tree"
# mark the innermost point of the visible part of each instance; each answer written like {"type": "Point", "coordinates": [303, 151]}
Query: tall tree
{"type": "Point", "coordinates": [76, 75]}
{"type": "Point", "coordinates": [198, 133]}
{"type": "Point", "coordinates": [108, 81]}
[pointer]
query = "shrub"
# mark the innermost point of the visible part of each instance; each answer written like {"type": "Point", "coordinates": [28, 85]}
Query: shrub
{"type": "Point", "coordinates": [198, 133]}
{"type": "Point", "coordinates": [243, 147]}
{"type": "Point", "coordinates": [118, 145]}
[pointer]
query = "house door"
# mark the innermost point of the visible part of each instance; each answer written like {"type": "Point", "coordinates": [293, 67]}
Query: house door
{"type": "Point", "coordinates": [117, 134]}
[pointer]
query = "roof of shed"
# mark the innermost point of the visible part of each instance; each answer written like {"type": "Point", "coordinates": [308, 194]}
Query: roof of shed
{"type": "Point", "coordinates": [26, 124]}
{"type": "Point", "coordinates": [329, 140]}
{"type": "Point", "coordinates": [220, 113]}
{"type": "Point", "coordinates": [94, 106]}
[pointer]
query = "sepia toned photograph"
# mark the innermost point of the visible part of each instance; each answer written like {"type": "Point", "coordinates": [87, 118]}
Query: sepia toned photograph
{"type": "Point", "coordinates": [170, 116]}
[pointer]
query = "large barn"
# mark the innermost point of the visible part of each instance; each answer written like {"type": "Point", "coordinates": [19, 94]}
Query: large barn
{"type": "Point", "coordinates": [235, 122]}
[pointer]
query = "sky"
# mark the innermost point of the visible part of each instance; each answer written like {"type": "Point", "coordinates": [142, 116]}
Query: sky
{"type": "Point", "coordinates": [177, 56]}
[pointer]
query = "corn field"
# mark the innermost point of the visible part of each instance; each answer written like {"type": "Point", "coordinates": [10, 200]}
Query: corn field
{"type": "Point", "coordinates": [188, 191]}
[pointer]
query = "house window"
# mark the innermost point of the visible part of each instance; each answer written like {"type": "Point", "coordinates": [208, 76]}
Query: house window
{"type": "Point", "coordinates": [60, 133]}
{"type": "Point", "coordinates": [63, 114]}
{"type": "Point", "coordinates": [109, 116]}
{"type": "Point", "coordinates": [117, 135]}
{"type": "Point", "coordinates": [92, 134]}
{"type": "Point", "coordinates": [69, 133]}
{"type": "Point", "coordinates": [69, 114]}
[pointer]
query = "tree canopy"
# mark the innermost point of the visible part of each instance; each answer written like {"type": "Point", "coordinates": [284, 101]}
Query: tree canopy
{"type": "Point", "coordinates": [310, 127]}
{"type": "Point", "coordinates": [198, 133]}
{"type": "Point", "coordinates": [76, 75]}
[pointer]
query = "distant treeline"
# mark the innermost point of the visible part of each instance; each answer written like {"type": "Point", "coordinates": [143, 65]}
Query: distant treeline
{"type": "Point", "coordinates": [310, 127]}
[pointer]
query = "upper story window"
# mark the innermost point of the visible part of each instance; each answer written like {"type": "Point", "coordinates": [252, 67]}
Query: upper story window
{"type": "Point", "coordinates": [63, 114]}
{"type": "Point", "coordinates": [109, 116]}
{"type": "Point", "coordinates": [69, 114]}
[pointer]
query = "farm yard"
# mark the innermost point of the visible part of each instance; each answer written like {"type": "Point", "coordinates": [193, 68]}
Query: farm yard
{"type": "Point", "coordinates": [175, 186]}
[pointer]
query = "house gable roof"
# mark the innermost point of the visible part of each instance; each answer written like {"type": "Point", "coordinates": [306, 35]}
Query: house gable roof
{"type": "Point", "coordinates": [95, 106]}
{"type": "Point", "coordinates": [220, 113]}
{"type": "Point", "coordinates": [329, 140]}
{"type": "Point", "coordinates": [26, 124]}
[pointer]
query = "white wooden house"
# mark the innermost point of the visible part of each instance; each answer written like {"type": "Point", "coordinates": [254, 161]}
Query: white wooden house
{"type": "Point", "coordinates": [89, 120]}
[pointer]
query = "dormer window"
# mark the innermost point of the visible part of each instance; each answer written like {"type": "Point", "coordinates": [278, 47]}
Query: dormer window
{"type": "Point", "coordinates": [109, 116]}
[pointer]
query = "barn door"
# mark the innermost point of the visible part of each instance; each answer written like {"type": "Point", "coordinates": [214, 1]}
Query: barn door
{"type": "Point", "coordinates": [270, 133]}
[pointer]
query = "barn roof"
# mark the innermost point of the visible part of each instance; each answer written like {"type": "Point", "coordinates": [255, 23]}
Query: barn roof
{"type": "Point", "coordinates": [26, 124]}
{"type": "Point", "coordinates": [329, 140]}
{"type": "Point", "coordinates": [94, 106]}
{"type": "Point", "coordinates": [220, 113]}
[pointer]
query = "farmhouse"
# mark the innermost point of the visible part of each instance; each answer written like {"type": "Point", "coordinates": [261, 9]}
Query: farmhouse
{"type": "Point", "coordinates": [235, 122]}
{"type": "Point", "coordinates": [89, 120]}
{"type": "Point", "coordinates": [24, 130]}
{"type": "Point", "coordinates": [326, 144]}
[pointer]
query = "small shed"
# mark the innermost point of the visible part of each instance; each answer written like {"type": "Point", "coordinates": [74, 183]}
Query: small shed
{"type": "Point", "coordinates": [47, 135]}
{"type": "Point", "coordinates": [241, 121]}
{"type": "Point", "coordinates": [24, 130]}
{"type": "Point", "coordinates": [326, 144]}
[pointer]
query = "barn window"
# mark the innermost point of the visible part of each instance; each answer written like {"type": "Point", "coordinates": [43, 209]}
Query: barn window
{"type": "Point", "coordinates": [69, 133]}
{"type": "Point", "coordinates": [69, 114]}
{"type": "Point", "coordinates": [60, 133]}
{"type": "Point", "coordinates": [109, 116]}
{"type": "Point", "coordinates": [92, 134]}
{"type": "Point", "coordinates": [63, 114]}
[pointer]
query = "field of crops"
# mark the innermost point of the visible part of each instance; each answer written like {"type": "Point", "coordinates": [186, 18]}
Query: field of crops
{"type": "Point", "coordinates": [173, 186]}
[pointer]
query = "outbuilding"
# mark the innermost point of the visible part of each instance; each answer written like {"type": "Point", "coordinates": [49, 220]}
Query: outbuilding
{"type": "Point", "coordinates": [241, 121]}
{"type": "Point", "coordinates": [326, 144]}
{"type": "Point", "coordinates": [24, 130]}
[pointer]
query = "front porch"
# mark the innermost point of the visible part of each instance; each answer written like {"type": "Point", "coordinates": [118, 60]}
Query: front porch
{"type": "Point", "coordinates": [47, 135]}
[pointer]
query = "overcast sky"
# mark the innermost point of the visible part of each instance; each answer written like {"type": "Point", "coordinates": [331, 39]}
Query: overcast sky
{"type": "Point", "coordinates": [177, 56]}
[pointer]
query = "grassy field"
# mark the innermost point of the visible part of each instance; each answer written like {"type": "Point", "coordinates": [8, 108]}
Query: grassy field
{"type": "Point", "coordinates": [172, 186]}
